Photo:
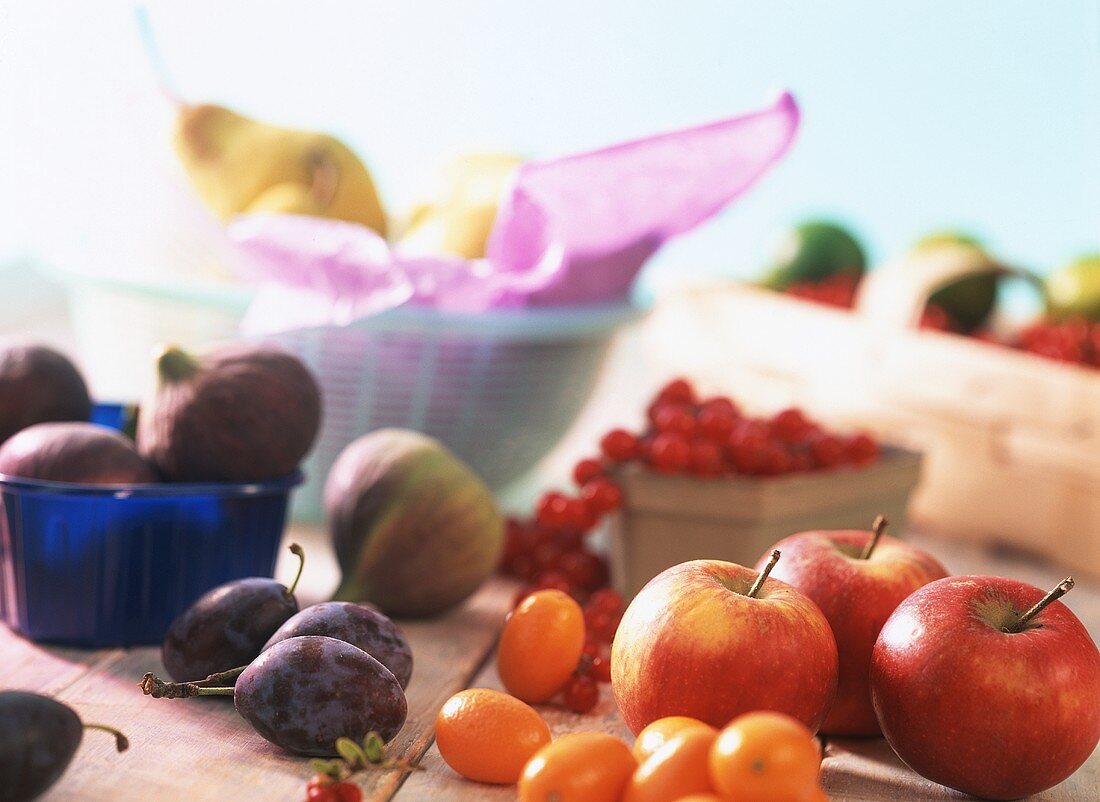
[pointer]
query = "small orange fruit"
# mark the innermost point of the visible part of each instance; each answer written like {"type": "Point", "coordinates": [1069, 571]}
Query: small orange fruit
{"type": "Point", "coordinates": [582, 767]}
{"type": "Point", "coordinates": [677, 769]}
{"type": "Point", "coordinates": [488, 736]}
{"type": "Point", "coordinates": [702, 798]}
{"type": "Point", "coordinates": [541, 645]}
{"type": "Point", "coordinates": [656, 733]}
{"type": "Point", "coordinates": [765, 757]}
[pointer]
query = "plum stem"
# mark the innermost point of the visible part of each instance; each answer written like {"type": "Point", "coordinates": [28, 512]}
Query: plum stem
{"type": "Point", "coordinates": [759, 583]}
{"type": "Point", "coordinates": [152, 685]}
{"type": "Point", "coordinates": [122, 743]}
{"type": "Point", "coordinates": [174, 364]}
{"type": "Point", "coordinates": [300, 553]}
{"type": "Point", "coordinates": [1064, 587]}
{"type": "Point", "coordinates": [878, 529]}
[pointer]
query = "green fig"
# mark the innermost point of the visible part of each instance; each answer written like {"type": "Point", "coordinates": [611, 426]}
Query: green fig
{"type": "Point", "coordinates": [968, 301]}
{"type": "Point", "coordinates": [814, 250]}
{"type": "Point", "coordinates": [415, 530]}
{"type": "Point", "coordinates": [1075, 288]}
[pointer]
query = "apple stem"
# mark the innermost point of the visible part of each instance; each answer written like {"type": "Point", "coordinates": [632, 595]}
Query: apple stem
{"type": "Point", "coordinates": [759, 583]}
{"type": "Point", "coordinates": [877, 530]}
{"type": "Point", "coordinates": [1064, 587]}
{"type": "Point", "coordinates": [296, 550]}
{"type": "Point", "coordinates": [122, 743]}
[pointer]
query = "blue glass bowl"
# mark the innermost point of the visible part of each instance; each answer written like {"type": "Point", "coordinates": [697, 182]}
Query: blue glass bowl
{"type": "Point", "coordinates": [97, 565]}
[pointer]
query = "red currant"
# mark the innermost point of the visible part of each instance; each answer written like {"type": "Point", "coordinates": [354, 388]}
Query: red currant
{"type": "Point", "coordinates": [584, 569]}
{"type": "Point", "coordinates": [677, 391]}
{"type": "Point", "coordinates": [669, 452]}
{"type": "Point", "coordinates": [705, 459]}
{"type": "Point", "coordinates": [720, 405]}
{"type": "Point", "coordinates": [323, 789]}
{"type": "Point", "coordinates": [674, 418]}
{"type": "Point", "coordinates": [619, 445]}
{"type": "Point", "coordinates": [581, 693]}
{"type": "Point", "coordinates": [827, 451]}
{"type": "Point", "coordinates": [554, 580]}
{"type": "Point", "coordinates": [861, 449]}
{"type": "Point", "coordinates": [547, 556]}
{"type": "Point", "coordinates": [586, 470]}
{"type": "Point", "coordinates": [790, 425]}
{"type": "Point", "coordinates": [715, 426]}
{"type": "Point", "coordinates": [551, 511]}
{"type": "Point", "coordinates": [607, 600]}
{"type": "Point", "coordinates": [749, 453]}
{"type": "Point", "coordinates": [602, 496]}
{"type": "Point", "coordinates": [600, 668]}
{"type": "Point", "coordinates": [776, 461]}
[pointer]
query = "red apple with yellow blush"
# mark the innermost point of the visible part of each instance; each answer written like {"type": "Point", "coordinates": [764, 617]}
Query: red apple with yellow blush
{"type": "Point", "coordinates": [712, 640]}
{"type": "Point", "coordinates": [857, 578]}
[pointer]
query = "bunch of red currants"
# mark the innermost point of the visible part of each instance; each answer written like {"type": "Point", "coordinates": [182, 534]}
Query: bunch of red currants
{"type": "Point", "coordinates": [706, 438]}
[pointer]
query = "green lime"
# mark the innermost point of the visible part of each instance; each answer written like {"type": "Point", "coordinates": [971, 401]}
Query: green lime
{"type": "Point", "coordinates": [967, 301]}
{"type": "Point", "coordinates": [814, 250]}
{"type": "Point", "coordinates": [1075, 288]}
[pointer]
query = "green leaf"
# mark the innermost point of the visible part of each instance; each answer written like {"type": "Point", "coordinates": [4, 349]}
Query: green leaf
{"type": "Point", "coordinates": [326, 767]}
{"type": "Point", "coordinates": [373, 746]}
{"type": "Point", "coordinates": [351, 752]}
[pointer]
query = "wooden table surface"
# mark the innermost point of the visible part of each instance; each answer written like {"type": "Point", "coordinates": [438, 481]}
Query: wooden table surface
{"type": "Point", "coordinates": [199, 749]}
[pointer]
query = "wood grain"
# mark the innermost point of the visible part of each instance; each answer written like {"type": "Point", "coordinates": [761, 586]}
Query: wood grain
{"type": "Point", "coordinates": [199, 749]}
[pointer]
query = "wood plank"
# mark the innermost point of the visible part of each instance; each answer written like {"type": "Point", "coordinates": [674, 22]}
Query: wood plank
{"type": "Point", "coordinates": [857, 770]}
{"type": "Point", "coordinates": [201, 749]}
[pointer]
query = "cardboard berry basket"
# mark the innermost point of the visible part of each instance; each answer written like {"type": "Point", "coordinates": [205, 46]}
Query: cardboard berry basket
{"type": "Point", "coordinates": [1012, 440]}
{"type": "Point", "coordinates": [669, 519]}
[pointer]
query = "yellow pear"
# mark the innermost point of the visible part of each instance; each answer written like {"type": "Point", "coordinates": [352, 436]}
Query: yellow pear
{"type": "Point", "coordinates": [457, 213]}
{"type": "Point", "coordinates": [240, 165]}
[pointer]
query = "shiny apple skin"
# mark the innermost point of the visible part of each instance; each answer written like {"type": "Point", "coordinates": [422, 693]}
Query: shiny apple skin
{"type": "Point", "coordinates": [993, 714]}
{"type": "Point", "coordinates": [856, 596]}
{"type": "Point", "coordinates": [692, 643]}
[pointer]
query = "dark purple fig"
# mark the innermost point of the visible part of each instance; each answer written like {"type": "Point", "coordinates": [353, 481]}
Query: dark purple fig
{"type": "Point", "coordinates": [83, 453]}
{"type": "Point", "coordinates": [38, 738]}
{"type": "Point", "coordinates": [39, 385]}
{"type": "Point", "coordinates": [228, 626]}
{"type": "Point", "coordinates": [241, 413]}
{"type": "Point", "coordinates": [304, 693]}
{"type": "Point", "coordinates": [358, 625]}
{"type": "Point", "coordinates": [415, 530]}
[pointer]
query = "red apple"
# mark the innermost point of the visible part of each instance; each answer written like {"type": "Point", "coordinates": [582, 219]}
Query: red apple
{"type": "Point", "coordinates": [976, 689]}
{"type": "Point", "coordinates": [712, 640]}
{"type": "Point", "coordinates": [857, 595]}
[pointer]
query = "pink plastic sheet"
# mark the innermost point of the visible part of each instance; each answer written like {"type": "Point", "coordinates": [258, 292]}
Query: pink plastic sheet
{"type": "Point", "coordinates": [569, 231]}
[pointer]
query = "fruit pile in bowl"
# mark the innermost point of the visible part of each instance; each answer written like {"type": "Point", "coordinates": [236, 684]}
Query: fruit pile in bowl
{"type": "Point", "coordinates": [822, 261]}
{"type": "Point", "coordinates": [104, 538]}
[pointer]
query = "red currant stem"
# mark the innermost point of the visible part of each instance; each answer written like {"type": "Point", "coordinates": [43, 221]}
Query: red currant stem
{"type": "Point", "coordinates": [759, 583]}
{"type": "Point", "coordinates": [878, 528]}
{"type": "Point", "coordinates": [296, 550]}
{"type": "Point", "coordinates": [151, 685]}
{"type": "Point", "coordinates": [1064, 587]}
{"type": "Point", "coordinates": [122, 743]}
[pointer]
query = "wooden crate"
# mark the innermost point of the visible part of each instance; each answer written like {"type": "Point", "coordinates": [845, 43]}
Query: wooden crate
{"type": "Point", "coordinates": [667, 520]}
{"type": "Point", "coordinates": [1012, 441]}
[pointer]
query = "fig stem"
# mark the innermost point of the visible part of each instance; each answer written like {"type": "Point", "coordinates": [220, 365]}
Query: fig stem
{"type": "Point", "coordinates": [1064, 587]}
{"type": "Point", "coordinates": [878, 528]}
{"type": "Point", "coordinates": [152, 685]}
{"type": "Point", "coordinates": [300, 553]}
{"type": "Point", "coordinates": [122, 743]}
{"type": "Point", "coordinates": [759, 583]}
{"type": "Point", "coordinates": [174, 364]}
